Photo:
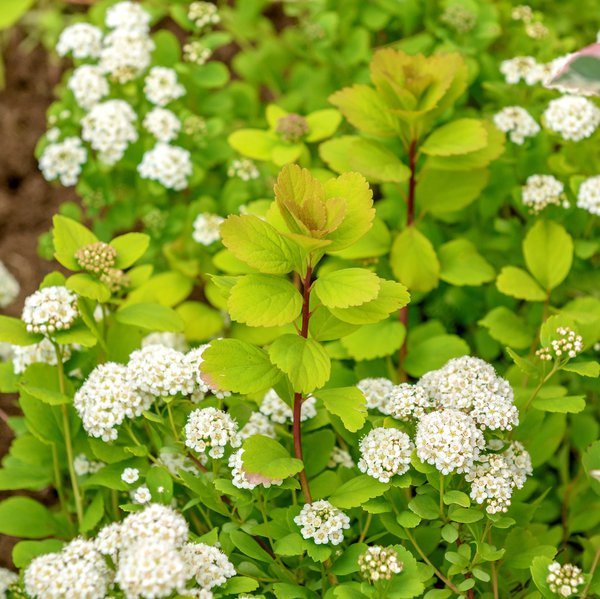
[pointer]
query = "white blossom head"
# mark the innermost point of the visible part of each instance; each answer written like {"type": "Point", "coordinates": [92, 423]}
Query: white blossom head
{"type": "Point", "coordinates": [573, 117]}
{"type": "Point", "coordinates": [208, 565]}
{"type": "Point", "coordinates": [88, 85]}
{"type": "Point", "coordinates": [540, 191]}
{"type": "Point", "coordinates": [63, 161]}
{"type": "Point", "coordinates": [171, 166]}
{"type": "Point", "coordinates": [520, 68]}
{"type": "Point", "coordinates": [517, 122]}
{"type": "Point", "coordinates": [207, 228]}
{"type": "Point", "coordinates": [125, 54]}
{"type": "Point", "coordinates": [564, 580]}
{"type": "Point", "coordinates": [211, 430]}
{"type": "Point", "coordinates": [161, 86]}
{"type": "Point", "coordinates": [9, 286]}
{"type": "Point", "coordinates": [128, 15]}
{"type": "Point", "coordinates": [385, 452]}
{"type": "Point", "coordinates": [162, 123]}
{"type": "Point", "coordinates": [407, 402]}
{"type": "Point", "coordinates": [7, 578]}
{"type": "Point", "coordinates": [377, 392]}
{"type": "Point", "coordinates": [50, 309]}
{"type": "Point", "coordinates": [588, 195]}
{"type": "Point", "coordinates": [322, 522]}
{"type": "Point", "coordinates": [81, 40]}
{"type": "Point", "coordinates": [258, 424]}
{"type": "Point", "coordinates": [379, 563]}
{"type": "Point", "coordinates": [278, 411]}
{"type": "Point", "coordinates": [203, 14]}
{"type": "Point", "coordinates": [340, 457]}
{"type": "Point", "coordinates": [38, 353]}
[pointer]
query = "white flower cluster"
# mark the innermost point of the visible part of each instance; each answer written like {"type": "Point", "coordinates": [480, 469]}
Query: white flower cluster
{"type": "Point", "coordinates": [78, 571]}
{"type": "Point", "coordinates": [517, 122]}
{"type": "Point", "coordinates": [449, 440]}
{"type": "Point", "coordinates": [169, 165]}
{"type": "Point", "coordinates": [42, 352]}
{"type": "Point", "coordinates": [88, 85]}
{"type": "Point", "coordinates": [203, 14]}
{"type": "Point", "coordinates": [526, 68]}
{"type": "Point", "coordinates": [81, 40]}
{"type": "Point", "coordinates": [495, 476]}
{"type": "Point", "coordinates": [243, 169]}
{"type": "Point", "coordinates": [7, 578]}
{"type": "Point", "coordinates": [125, 54]}
{"type": "Point", "coordinates": [459, 18]}
{"type": "Point", "coordinates": [322, 522]}
{"type": "Point", "coordinates": [207, 228]}
{"type": "Point", "coordinates": [106, 398]}
{"type": "Point", "coordinates": [472, 385]}
{"type": "Point", "coordinates": [258, 424]}
{"type": "Point", "coordinates": [385, 452]}
{"type": "Point", "coordinates": [278, 411]}
{"type": "Point", "coordinates": [9, 286]}
{"type": "Point", "coordinates": [161, 86]}
{"type": "Point", "coordinates": [379, 563]}
{"type": "Point", "coordinates": [128, 15]}
{"type": "Point", "coordinates": [109, 128]}
{"type": "Point", "coordinates": [162, 123]}
{"type": "Point", "coordinates": [63, 160]}
{"type": "Point", "coordinates": [208, 565]}
{"type": "Point", "coordinates": [568, 344]}
{"type": "Point", "coordinates": [50, 309]}
{"type": "Point", "coordinates": [211, 429]}
{"type": "Point", "coordinates": [540, 191]}
{"type": "Point", "coordinates": [83, 465]}
{"type": "Point", "coordinates": [406, 402]}
{"type": "Point", "coordinates": [573, 117]}
{"type": "Point", "coordinates": [196, 52]}
{"type": "Point", "coordinates": [175, 461]}
{"type": "Point", "coordinates": [175, 341]}
{"type": "Point", "coordinates": [340, 457]}
{"type": "Point", "coordinates": [377, 392]}
{"type": "Point", "coordinates": [564, 580]}
{"type": "Point", "coordinates": [588, 195]}
{"type": "Point", "coordinates": [244, 480]}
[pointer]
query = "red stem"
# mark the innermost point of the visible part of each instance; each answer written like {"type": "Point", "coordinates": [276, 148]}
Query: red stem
{"type": "Point", "coordinates": [296, 422]}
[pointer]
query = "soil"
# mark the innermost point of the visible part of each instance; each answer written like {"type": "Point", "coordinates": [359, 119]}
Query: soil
{"type": "Point", "coordinates": [27, 201]}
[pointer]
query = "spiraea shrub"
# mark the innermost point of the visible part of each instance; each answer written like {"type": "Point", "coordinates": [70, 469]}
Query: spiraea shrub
{"type": "Point", "coordinates": [350, 349]}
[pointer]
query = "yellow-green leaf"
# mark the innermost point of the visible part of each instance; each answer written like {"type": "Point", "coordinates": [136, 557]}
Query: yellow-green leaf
{"type": "Point", "coordinates": [414, 261]}
{"type": "Point", "coordinates": [518, 283]}
{"type": "Point", "coordinates": [347, 287]}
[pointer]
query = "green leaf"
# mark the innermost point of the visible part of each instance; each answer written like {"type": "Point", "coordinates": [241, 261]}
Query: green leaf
{"type": "Point", "coordinates": [392, 296]}
{"type": "Point", "coordinates": [465, 515]}
{"type": "Point", "coordinates": [292, 544]}
{"type": "Point", "coordinates": [457, 137]}
{"type": "Point", "coordinates": [357, 491]}
{"type": "Point", "coordinates": [239, 584]}
{"type": "Point", "coordinates": [407, 584]}
{"type": "Point", "coordinates": [68, 236]}
{"type": "Point", "coordinates": [347, 287]}
{"type": "Point", "coordinates": [238, 366]}
{"type": "Point", "coordinates": [268, 458]}
{"type": "Point", "coordinates": [167, 289]}
{"type": "Point", "coordinates": [248, 546]}
{"type": "Point", "coordinates": [322, 124]}
{"type": "Point", "coordinates": [425, 506]}
{"type": "Point", "coordinates": [461, 264]}
{"type": "Point", "coordinates": [13, 11]}
{"type": "Point", "coordinates": [200, 322]}
{"type": "Point", "coordinates": [260, 245]}
{"type": "Point", "coordinates": [375, 340]}
{"type": "Point", "coordinates": [591, 369]}
{"type": "Point", "coordinates": [591, 464]}
{"type": "Point", "coordinates": [433, 353]}
{"type": "Point", "coordinates": [160, 484]}
{"type": "Point", "coordinates": [210, 75]}
{"type": "Point", "coordinates": [304, 361]}
{"type": "Point", "coordinates": [79, 333]}
{"type": "Point", "coordinates": [93, 514]}
{"type": "Point", "coordinates": [517, 283]}
{"type": "Point", "coordinates": [14, 330]}
{"type": "Point", "coordinates": [253, 143]}
{"type": "Point", "coordinates": [565, 404]}
{"type": "Point", "coordinates": [443, 191]}
{"type": "Point", "coordinates": [414, 261]}
{"type": "Point", "coordinates": [25, 551]}
{"type": "Point", "coordinates": [523, 364]}
{"type": "Point", "coordinates": [548, 251]}
{"type": "Point", "coordinates": [152, 317]}
{"type": "Point", "coordinates": [539, 573]}
{"type": "Point", "coordinates": [507, 328]}
{"type": "Point", "coordinates": [346, 402]}
{"type": "Point", "coordinates": [449, 533]}
{"type": "Point", "coordinates": [347, 563]}
{"type": "Point", "coordinates": [457, 497]}
{"type": "Point", "coordinates": [408, 519]}
{"type": "Point", "coordinates": [130, 248]}
{"type": "Point", "coordinates": [88, 286]}
{"type": "Point", "coordinates": [24, 517]}
{"type": "Point", "coordinates": [264, 301]}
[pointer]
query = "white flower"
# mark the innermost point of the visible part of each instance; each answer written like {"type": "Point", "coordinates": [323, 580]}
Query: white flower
{"type": "Point", "coordinates": [207, 228]}
{"type": "Point", "coordinates": [322, 522]}
{"type": "Point", "coordinates": [128, 15]}
{"type": "Point", "coordinates": [564, 580]}
{"type": "Point", "coordinates": [208, 565]}
{"type": "Point", "coordinates": [278, 411]}
{"type": "Point", "coordinates": [142, 495]}
{"type": "Point", "coordinates": [379, 563]}
{"type": "Point", "coordinates": [385, 452]}
{"type": "Point", "coordinates": [81, 39]}
{"type": "Point", "coordinates": [9, 287]}
{"type": "Point", "coordinates": [108, 540]}
{"type": "Point", "coordinates": [175, 341]}
{"type": "Point", "coordinates": [243, 169]}
{"type": "Point", "coordinates": [159, 371]}
{"type": "Point", "coordinates": [211, 429]}
{"type": "Point", "coordinates": [78, 571]}
{"type": "Point", "coordinates": [573, 117]}
{"type": "Point", "coordinates": [258, 424]}
{"type": "Point", "coordinates": [63, 160]}
{"type": "Point", "coordinates": [406, 401]}
{"type": "Point", "coordinates": [540, 191]}
{"type": "Point", "coordinates": [340, 457]}
{"type": "Point", "coordinates": [161, 87]}
{"type": "Point", "coordinates": [155, 524]}
{"type": "Point", "coordinates": [196, 52]}
{"type": "Point", "coordinates": [162, 123]}
{"type": "Point", "coordinates": [83, 465]}
{"type": "Point", "coordinates": [42, 352]}
{"type": "Point", "coordinates": [377, 392]}
{"type": "Point", "coordinates": [130, 475]}
{"type": "Point", "coordinates": [50, 309]}
{"type": "Point", "coordinates": [125, 54]}
{"type": "Point", "coordinates": [242, 479]}
{"type": "Point", "coordinates": [517, 122]}
{"type": "Point", "coordinates": [88, 85]}
{"type": "Point", "coordinates": [588, 196]}
{"type": "Point", "coordinates": [109, 127]}
{"type": "Point", "coordinates": [520, 67]}
{"type": "Point", "coordinates": [169, 165]}
{"type": "Point", "coordinates": [449, 440]}
{"type": "Point", "coordinates": [7, 578]}
{"type": "Point", "coordinates": [203, 14]}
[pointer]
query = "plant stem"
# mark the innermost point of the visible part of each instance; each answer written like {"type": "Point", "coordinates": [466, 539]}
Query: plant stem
{"type": "Point", "coordinates": [539, 386]}
{"type": "Point", "coordinates": [172, 422]}
{"type": "Point", "coordinates": [297, 412]}
{"type": "Point", "coordinates": [365, 529]}
{"type": "Point", "coordinates": [442, 515]}
{"type": "Point", "coordinates": [59, 484]}
{"type": "Point", "coordinates": [592, 570]}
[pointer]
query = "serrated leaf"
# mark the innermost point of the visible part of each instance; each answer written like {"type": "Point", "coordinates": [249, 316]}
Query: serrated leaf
{"type": "Point", "coordinates": [346, 402]}
{"type": "Point", "coordinates": [414, 261]}
{"type": "Point", "coordinates": [357, 491]}
{"type": "Point", "coordinates": [518, 283]}
{"type": "Point", "coordinates": [457, 137]}
{"type": "Point", "coordinates": [347, 287]}
{"type": "Point", "coordinates": [266, 457]}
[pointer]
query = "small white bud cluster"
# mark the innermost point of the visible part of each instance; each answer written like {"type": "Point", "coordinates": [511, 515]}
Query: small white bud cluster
{"type": "Point", "coordinates": [517, 122]}
{"type": "Point", "coordinates": [170, 165]}
{"type": "Point", "coordinates": [203, 14]}
{"type": "Point", "coordinates": [542, 190]}
{"type": "Point", "coordinates": [564, 580]}
{"type": "Point", "coordinates": [537, 30]}
{"type": "Point", "coordinates": [211, 429]}
{"type": "Point", "coordinates": [322, 522]}
{"type": "Point", "coordinates": [9, 286]}
{"type": "Point", "coordinates": [162, 123]}
{"type": "Point", "coordinates": [379, 563]}
{"type": "Point", "coordinates": [588, 195]}
{"type": "Point", "coordinates": [377, 392]}
{"type": "Point", "coordinates": [161, 86]}
{"type": "Point", "coordinates": [278, 411]}
{"type": "Point", "coordinates": [88, 85]}
{"type": "Point", "coordinates": [244, 480]}
{"type": "Point", "coordinates": [568, 344]}
{"type": "Point", "coordinates": [385, 452]}
{"type": "Point", "coordinates": [96, 257]}
{"type": "Point", "coordinates": [207, 228]}
{"type": "Point", "coordinates": [176, 341]}
{"type": "Point", "coordinates": [63, 160]}
{"type": "Point", "coordinates": [523, 13]}
{"type": "Point", "coordinates": [406, 402]}
{"type": "Point", "coordinates": [78, 571]}
{"type": "Point", "coordinates": [42, 352]}
{"type": "Point", "coordinates": [83, 465]}
{"type": "Point", "coordinates": [7, 579]}
{"type": "Point", "coordinates": [340, 457]}
{"type": "Point", "coordinates": [208, 565]}
{"type": "Point", "coordinates": [258, 424]}
{"type": "Point", "coordinates": [196, 52]}
{"type": "Point", "coordinates": [573, 117]}
{"type": "Point", "coordinates": [81, 40]}
{"type": "Point", "coordinates": [459, 18]}
{"type": "Point", "coordinates": [243, 169]}
{"type": "Point", "coordinates": [50, 309]}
